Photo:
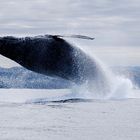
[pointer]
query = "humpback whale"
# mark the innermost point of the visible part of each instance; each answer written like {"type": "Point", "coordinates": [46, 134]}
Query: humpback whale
{"type": "Point", "coordinates": [50, 55]}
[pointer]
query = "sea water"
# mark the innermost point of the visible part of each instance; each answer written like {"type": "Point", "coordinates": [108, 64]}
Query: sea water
{"type": "Point", "coordinates": [80, 112]}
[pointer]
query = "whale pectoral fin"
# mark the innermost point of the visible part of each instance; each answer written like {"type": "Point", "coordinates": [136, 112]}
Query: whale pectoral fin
{"type": "Point", "coordinates": [72, 36]}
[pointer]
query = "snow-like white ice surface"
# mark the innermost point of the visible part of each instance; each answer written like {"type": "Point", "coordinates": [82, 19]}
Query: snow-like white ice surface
{"type": "Point", "coordinates": [94, 120]}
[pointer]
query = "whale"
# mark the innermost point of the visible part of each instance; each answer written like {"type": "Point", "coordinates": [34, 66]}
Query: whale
{"type": "Point", "coordinates": [51, 55]}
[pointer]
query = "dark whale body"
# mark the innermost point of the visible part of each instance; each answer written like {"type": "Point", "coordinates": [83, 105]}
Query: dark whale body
{"type": "Point", "coordinates": [50, 55]}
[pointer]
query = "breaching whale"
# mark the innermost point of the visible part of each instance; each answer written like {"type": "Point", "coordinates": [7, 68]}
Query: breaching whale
{"type": "Point", "coordinates": [50, 55]}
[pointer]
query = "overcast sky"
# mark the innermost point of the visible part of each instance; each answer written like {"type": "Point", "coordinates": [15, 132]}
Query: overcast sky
{"type": "Point", "coordinates": [112, 23]}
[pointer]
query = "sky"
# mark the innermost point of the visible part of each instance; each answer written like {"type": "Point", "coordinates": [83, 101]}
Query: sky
{"type": "Point", "coordinates": [114, 24]}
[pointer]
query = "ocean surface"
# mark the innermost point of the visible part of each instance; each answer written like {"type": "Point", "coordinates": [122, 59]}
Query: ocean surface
{"type": "Point", "coordinates": [38, 107]}
{"type": "Point", "coordinates": [33, 114]}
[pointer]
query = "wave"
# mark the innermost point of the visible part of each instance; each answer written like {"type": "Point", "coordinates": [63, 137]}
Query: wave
{"type": "Point", "coordinates": [19, 77]}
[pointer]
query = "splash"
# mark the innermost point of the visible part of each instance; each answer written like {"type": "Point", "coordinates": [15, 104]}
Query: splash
{"type": "Point", "coordinates": [106, 86]}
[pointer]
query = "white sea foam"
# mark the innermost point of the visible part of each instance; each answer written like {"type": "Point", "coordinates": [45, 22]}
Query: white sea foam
{"type": "Point", "coordinates": [116, 86]}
